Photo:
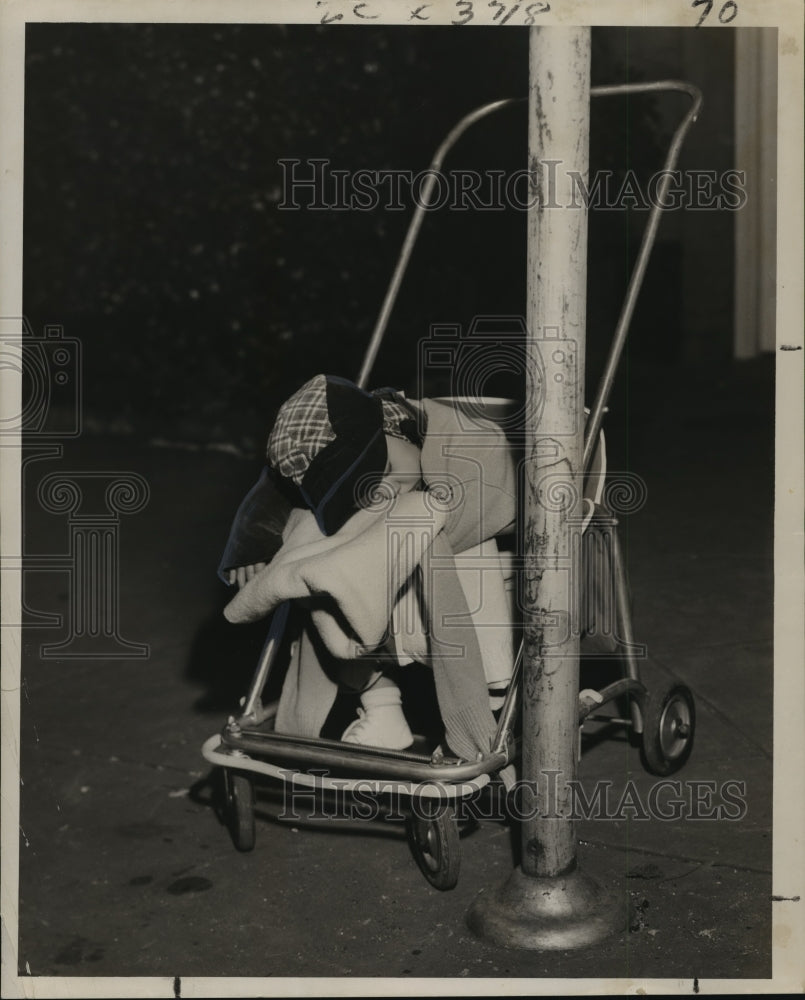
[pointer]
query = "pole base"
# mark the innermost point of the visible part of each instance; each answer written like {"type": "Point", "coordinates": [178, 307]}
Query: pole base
{"type": "Point", "coordinates": [548, 914]}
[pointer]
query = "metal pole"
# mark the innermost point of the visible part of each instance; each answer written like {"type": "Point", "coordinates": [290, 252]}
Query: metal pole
{"type": "Point", "coordinates": [559, 130]}
{"type": "Point", "coordinates": [548, 903]}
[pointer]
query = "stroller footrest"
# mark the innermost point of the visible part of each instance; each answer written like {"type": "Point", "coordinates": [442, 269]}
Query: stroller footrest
{"type": "Point", "coordinates": [333, 756]}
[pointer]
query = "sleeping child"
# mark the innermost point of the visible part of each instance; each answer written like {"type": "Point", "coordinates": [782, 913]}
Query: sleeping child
{"type": "Point", "coordinates": [379, 515]}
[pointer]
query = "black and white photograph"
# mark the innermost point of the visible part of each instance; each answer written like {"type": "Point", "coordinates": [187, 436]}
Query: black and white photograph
{"type": "Point", "coordinates": [402, 490]}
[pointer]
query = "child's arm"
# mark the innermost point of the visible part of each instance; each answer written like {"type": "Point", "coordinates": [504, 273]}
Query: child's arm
{"type": "Point", "coordinates": [256, 532]}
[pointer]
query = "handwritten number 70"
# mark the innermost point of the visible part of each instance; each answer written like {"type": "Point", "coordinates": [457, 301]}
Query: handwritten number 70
{"type": "Point", "coordinates": [728, 12]}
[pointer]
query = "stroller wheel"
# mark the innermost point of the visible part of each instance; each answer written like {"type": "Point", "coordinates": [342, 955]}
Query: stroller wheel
{"type": "Point", "coordinates": [668, 729]}
{"type": "Point", "coordinates": [435, 845]}
{"type": "Point", "coordinates": [240, 809]}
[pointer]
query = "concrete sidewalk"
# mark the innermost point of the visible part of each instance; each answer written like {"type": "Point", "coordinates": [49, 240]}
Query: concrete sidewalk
{"type": "Point", "coordinates": [126, 869]}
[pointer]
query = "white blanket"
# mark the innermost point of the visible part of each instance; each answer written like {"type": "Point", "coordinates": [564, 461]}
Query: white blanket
{"type": "Point", "coordinates": [364, 586]}
{"type": "Point", "coordinates": [352, 580]}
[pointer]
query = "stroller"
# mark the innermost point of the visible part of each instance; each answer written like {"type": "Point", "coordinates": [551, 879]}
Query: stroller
{"type": "Point", "coordinates": [248, 747]}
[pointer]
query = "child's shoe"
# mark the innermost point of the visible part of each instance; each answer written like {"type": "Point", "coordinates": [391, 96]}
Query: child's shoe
{"type": "Point", "coordinates": [381, 722]}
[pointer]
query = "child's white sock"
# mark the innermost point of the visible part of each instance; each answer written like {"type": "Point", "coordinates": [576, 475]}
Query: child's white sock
{"type": "Point", "coordinates": [497, 695]}
{"type": "Point", "coordinates": [381, 722]}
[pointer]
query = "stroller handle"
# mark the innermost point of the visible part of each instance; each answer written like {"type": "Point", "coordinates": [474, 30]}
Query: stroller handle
{"type": "Point", "coordinates": [411, 235]}
{"type": "Point", "coordinates": [646, 245]}
{"type": "Point", "coordinates": [638, 272]}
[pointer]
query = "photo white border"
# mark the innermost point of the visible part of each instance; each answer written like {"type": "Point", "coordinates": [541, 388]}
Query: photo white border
{"type": "Point", "coordinates": [788, 930]}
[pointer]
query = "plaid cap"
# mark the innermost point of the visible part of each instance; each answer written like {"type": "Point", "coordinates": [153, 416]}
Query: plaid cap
{"type": "Point", "coordinates": [301, 430]}
{"type": "Point", "coordinates": [303, 425]}
{"type": "Point", "coordinates": [329, 440]}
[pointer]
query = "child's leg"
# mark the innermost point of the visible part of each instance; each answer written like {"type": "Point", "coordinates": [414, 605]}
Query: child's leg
{"type": "Point", "coordinates": [488, 583]}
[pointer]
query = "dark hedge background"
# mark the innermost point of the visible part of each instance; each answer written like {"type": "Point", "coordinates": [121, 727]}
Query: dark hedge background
{"type": "Point", "coordinates": [152, 229]}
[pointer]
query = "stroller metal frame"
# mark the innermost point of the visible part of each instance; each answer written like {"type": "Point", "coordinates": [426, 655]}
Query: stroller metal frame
{"type": "Point", "coordinates": [247, 745]}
